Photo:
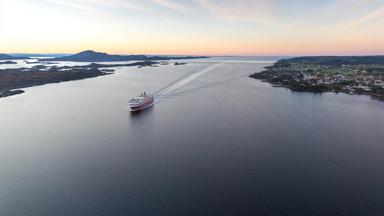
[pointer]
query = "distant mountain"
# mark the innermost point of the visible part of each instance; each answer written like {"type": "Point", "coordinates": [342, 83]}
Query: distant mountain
{"type": "Point", "coordinates": [9, 57]}
{"type": "Point", "coordinates": [92, 56]}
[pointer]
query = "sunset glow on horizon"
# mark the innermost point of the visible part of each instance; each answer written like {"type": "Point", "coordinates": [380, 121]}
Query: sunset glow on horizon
{"type": "Point", "coordinates": [193, 27]}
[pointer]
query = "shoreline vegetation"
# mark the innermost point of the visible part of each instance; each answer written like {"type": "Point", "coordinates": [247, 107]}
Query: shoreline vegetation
{"type": "Point", "coordinates": [11, 80]}
{"type": "Point", "coordinates": [348, 74]}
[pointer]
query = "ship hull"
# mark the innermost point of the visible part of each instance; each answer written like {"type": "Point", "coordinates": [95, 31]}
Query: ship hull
{"type": "Point", "coordinates": [142, 106]}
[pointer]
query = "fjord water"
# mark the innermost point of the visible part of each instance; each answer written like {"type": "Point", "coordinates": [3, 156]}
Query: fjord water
{"type": "Point", "coordinates": [215, 143]}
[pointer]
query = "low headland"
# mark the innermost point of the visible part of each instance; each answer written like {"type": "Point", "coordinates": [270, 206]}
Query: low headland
{"type": "Point", "coordinates": [11, 80]}
{"type": "Point", "coordinates": [348, 74]}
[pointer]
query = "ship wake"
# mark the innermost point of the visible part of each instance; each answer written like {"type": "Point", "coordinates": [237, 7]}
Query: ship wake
{"type": "Point", "coordinates": [166, 91]}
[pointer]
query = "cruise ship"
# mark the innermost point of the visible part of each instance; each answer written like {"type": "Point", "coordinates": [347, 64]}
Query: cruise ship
{"type": "Point", "coordinates": [141, 102]}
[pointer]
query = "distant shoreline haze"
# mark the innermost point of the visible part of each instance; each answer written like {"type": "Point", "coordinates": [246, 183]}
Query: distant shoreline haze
{"type": "Point", "coordinates": [58, 55]}
{"type": "Point", "coordinates": [93, 56]}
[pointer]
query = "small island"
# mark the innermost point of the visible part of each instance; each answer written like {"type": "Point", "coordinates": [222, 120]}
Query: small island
{"type": "Point", "coordinates": [16, 78]}
{"type": "Point", "coordinates": [180, 63]}
{"type": "Point", "coordinates": [348, 74]}
{"type": "Point", "coordinates": [7, 62]}
{"type": "Point", "coordinates": [40, 62]}
{"type": "Point", "coordinates": [8, 93]}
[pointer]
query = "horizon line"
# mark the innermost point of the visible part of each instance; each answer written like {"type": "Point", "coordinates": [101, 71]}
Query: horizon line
{"type": "Point", "coordinates": [224, 55]}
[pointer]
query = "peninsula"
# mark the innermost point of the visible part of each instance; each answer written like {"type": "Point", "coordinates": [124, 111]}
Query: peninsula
{"type": "Point", "coordinates": [92, 56]}
{"type": "Point", "coordinates": [348, 74]}
{"type": "Point", "coordinates": [13, 79]}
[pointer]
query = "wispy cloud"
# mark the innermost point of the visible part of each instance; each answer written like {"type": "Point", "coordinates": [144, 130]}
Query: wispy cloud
{"type": "Point", "coordinates": [370, 17]}
{"type": "Point", "coordinates": [348, 3]}
{"type": "Point", "coordinates": [132, 5]}
{"type": "Point", "coordinates": [100, 4]}
{"type": "Point", "coordinates": [70, 3]}
{"type": "Point", "coordinates": [247, 10]}
{"type": "Point", "coordinates": [172, 4]}
{"type": "Point", "coordinates": [347, 8]}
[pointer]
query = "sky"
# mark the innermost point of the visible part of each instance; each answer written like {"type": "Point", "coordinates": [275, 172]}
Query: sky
{"type": "Point", "coordinates": [194, 27]}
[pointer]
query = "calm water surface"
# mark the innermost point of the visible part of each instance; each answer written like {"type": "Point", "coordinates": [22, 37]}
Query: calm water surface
{"type": "Point", "coordinates": [215, 143]}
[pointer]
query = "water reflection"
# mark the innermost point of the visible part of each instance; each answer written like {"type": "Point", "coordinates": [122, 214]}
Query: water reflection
{"type": "Point", "coordinates": [224, 145]}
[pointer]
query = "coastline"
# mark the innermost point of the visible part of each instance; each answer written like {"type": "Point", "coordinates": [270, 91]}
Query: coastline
{"type": "Point", "coordinates": [313, 89]}
{"type": "Point", "coordinates": [12, 81]}
{"type": "Point", "coordinates": [350, 75]}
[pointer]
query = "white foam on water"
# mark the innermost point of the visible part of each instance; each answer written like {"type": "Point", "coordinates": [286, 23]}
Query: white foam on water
{"type": "Point", "coordinates": [183, 81]}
